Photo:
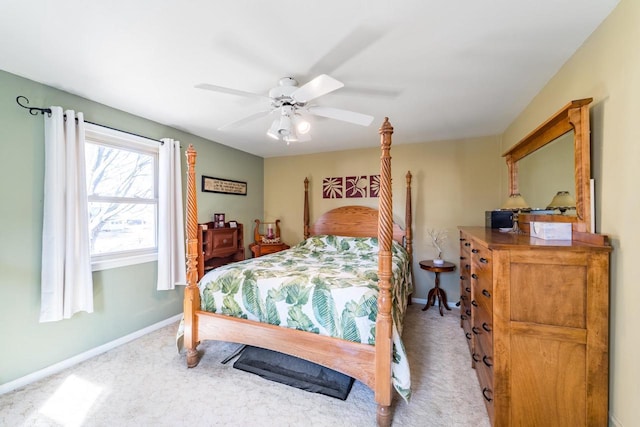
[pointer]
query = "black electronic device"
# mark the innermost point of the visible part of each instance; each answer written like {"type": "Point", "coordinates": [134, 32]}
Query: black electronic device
{"type": "Point", "coordinates": [499, 219]}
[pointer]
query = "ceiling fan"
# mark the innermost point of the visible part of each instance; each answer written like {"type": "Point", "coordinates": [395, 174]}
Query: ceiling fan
{"type": "Point", "coordinates": [291, 103]}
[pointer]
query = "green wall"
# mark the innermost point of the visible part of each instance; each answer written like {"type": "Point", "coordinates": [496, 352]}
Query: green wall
{"type": "Point", "coordinates": [125, 298]}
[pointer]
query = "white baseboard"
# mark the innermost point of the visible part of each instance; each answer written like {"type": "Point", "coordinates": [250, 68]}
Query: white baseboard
{"type": "Point", "coordinates": [60, 366]}
{"type": "Point", "coordinates": [613, 421]}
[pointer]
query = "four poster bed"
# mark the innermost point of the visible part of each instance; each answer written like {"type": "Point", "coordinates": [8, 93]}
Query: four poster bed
{"type": "Point", "coordinates": [359, 335]}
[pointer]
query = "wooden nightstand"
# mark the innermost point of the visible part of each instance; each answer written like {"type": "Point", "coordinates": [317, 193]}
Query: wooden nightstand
{"type": "Point", "coordinates": [267, 238]}
{"type": "Point", "coordinates": [437, 292]}
{"type": "Point", "coordinates": [263, 249]}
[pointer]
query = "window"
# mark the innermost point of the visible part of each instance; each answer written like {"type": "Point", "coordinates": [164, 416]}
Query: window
{"type": "Point", "coordinates": [122, 190]}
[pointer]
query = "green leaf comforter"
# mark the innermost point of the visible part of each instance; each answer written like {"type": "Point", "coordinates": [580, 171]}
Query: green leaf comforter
{"type": "Point", "coordinates": [326, 285]}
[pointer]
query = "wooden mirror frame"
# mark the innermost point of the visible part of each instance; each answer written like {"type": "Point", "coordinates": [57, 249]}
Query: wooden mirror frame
{"type": "Point", "coordinates": [572, 117]}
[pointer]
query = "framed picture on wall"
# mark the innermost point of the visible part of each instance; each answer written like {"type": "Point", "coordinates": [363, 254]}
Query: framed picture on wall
{"type": "Point", "coordinates": [224, 186]}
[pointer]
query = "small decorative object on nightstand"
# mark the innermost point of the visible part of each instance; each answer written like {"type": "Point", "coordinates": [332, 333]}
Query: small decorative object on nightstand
{"type": "Point", "coordinates": [267, 238]}
{"type": "Point", "coordinates": [438, 237]}
{"type": "Point", "coordinates": [436, 292]}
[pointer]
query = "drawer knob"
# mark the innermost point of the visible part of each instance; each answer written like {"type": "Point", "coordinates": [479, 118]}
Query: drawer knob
{"type": "Point", "coordinates": [463, 317]}
{"type": "Point", "coordinates": [486, 327]}
{"type": "Point", "coordinates": [468, 312]}
{"type": "Point", "coordinates": [462, 239]}
{"type": "Point", "coordinates": [468, 335]}
{"type": "Point", "coordinates": [467, 244]}
{"type": "Point", "coordinates": [468, 289]}
{"type": "Point", "coordinates": [486, 293]}
{"type": "Point", "coordinates": [463, 257]}
{"type": "Point", "coordinates": [474, 276]}
{"type": "Point", "coordinates": [475, 357]}
{"type": "Point", "coordinates": [484, 260]}
{"type": "Point", "coordinates": [474, 303]}
{"type": "Point", "coordinates": [484, 394]}
{"type": "Point", "coordinates": [485, 360]}
{"type": "Point", "coordinates": [461, 277]}
{"type": "Point", "coordinates": [475, 251]}
{"type": "Point", "coordinates": [224, 240]}
{"type": "Point", "coordinates": [475, 330]}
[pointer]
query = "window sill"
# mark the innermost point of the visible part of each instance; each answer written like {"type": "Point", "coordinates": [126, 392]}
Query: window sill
{"type": "Point", "coordinates": [106, 264]}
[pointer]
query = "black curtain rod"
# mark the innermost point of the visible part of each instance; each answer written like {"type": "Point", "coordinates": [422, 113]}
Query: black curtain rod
{"type": "Point", "coordinates": [34, 111]}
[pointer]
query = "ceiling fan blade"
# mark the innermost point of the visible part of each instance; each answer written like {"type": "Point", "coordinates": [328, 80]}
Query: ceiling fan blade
{"type": "Point", "coordinates": [228, 90]}
{"type": "Point", "coordinates": [319, 86]}
{"type": "Point", "coordinates": [344, 115]}
{"type": "Point", "coordinates": [353, 44]}
{"type": "Point", "coordinates": [244, 120]}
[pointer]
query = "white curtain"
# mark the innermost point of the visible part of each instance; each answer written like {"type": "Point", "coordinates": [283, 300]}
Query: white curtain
{"type": "Point", "coordinates": [171, 243]}
{"type": "Point", "coordinates": [67, 283]}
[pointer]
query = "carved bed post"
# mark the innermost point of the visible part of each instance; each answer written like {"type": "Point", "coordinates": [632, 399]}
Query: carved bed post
{"type": "Point", "coordinates": [306, 208]}
{"type": "Point", "coordinates": [384, 321]}
{"type": "Point", "coordinates": [407, 226]}
{"type": "Point", "coordinates": [191, 293]}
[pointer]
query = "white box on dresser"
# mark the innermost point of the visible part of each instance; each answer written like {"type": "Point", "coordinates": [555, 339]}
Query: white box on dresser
{"type": "Point", "coordinates": [551, 230]}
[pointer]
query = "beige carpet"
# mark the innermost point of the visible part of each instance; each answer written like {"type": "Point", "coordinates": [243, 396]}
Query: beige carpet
{"type": "Point", "coordinates": [146, 383]}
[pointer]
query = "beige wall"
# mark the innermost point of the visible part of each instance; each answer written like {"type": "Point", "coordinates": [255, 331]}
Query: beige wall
{"type": "Point", "coordinates": [607, 68]}
{"type": "Point", "coordinates": [454, 182]}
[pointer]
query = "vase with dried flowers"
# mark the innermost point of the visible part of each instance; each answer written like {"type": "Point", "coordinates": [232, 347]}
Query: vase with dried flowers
{"type": "Point", "coordinates": [438, 237]}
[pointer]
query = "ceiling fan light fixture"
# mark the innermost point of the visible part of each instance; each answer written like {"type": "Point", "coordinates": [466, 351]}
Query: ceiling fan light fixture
{"type": "Point", "coordinates": [284, 128]}
{"type": "Point", "coordinates": [273, 130]}
{"type": "Point", "coordinates": [302, 126]}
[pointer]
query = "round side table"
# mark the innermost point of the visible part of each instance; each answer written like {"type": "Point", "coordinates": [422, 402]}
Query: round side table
{"type": "Point", "coordinates": [436, 292]}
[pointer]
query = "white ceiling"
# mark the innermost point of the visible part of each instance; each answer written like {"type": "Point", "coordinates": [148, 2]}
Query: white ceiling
{"type": "Point", "coordinates": [440, 70]}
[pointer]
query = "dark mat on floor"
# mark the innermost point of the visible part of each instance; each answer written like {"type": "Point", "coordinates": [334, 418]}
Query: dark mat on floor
{"type": "Point", "coordinates": [294, 372]}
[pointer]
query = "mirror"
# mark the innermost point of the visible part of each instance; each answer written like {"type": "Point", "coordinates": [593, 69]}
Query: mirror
{"type": "Point", "coordinates": [546, 171]}
{"type": "Point", "coordinates": [571, 123]}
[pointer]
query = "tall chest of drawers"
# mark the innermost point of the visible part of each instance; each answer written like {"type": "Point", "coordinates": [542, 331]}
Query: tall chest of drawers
{"type": "Point", "coordinates": [538, 329]}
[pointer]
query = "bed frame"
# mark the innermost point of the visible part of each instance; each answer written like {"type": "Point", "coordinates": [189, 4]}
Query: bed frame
{"type": "Point", "coordinates": [369, 364]}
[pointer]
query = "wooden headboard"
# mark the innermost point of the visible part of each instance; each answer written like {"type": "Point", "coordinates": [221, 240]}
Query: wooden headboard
{"type": "Point", "coordinates": [358, 221]}
{"type": "Point", "coordinates": [354, 221]}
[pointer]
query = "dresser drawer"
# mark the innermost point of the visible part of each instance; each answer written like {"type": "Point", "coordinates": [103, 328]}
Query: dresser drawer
{"type": "Point", "coordinates": [220, 242]}
{"type": "Point", "coordinates": [481, 256]}
{"type": "Point", "coordinates": [468, 335]}
{"type": "Point", "coordinates": [485, 377]}
{"type": "Point", "coordinates": [265, 249]}
{"type": "Point", "coordinates": [482, 330]}
{"type": "Point", "coordinates": [466, 320]}
{"type": "Point", "coordinates": [482, 295]}
{"type": "Point", "coordinates": [465, 293]}
{"type": "Point", "coordinates": [465, 244]}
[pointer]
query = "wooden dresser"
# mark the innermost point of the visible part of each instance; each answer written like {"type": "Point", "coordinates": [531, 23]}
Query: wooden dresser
{"type": "Point", "coordinates": [221, 246]}
{"type": "Point", "coordinates": [538, 326]}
